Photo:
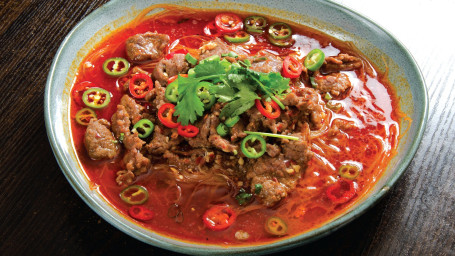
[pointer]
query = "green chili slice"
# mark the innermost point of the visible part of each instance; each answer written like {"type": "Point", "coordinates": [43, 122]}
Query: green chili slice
{"type": "Point", "coordinates": [238, 37]}
{"type": "Point", "coordinates": [172, 92]}
{"type": "Point", "coordinates": [222, 130]}
{"type": "Point", "coordinates": [231, 121]}
{"type": "Point", "coordinates": [96, 98]}
{"type": "Point", "coordinates": [134, 194]}
{"type": "Point", "coordinates": [250, 151]}
{"type": "Point", "coordinates": [116, 66]}
{"type": "Point", "coordinates": [314, 60]}
{"type": "Point", "coordinates": [84, 115]}
{"type": "Point", "coordinates": [192, 60]}
{"type": "Point", "coordinates": [276, 226]}
{"type": "Point", "coordinates": [144, 128]}
{"type": "Point", "coordinates": [202, 91]}
{"type": "Point", "coordinates": [255, 24]}
{"type": "Point", "coordinates": [280, 31]}
{"type": "Point", "coordinates": [349, 171]}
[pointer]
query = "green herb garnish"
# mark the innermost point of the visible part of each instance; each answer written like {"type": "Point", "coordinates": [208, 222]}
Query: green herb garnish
{"type": "Point", "coordinates": [232, 83]}
{"type": "Point", "coordinates": [243, 197]}
{"type": "Point", "coordinates": [281, 136]}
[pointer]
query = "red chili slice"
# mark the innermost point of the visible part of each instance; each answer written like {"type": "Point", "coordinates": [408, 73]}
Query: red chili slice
{"type": "Point", "coordinates": [342, 191]}
{"type": "Point", "coordinates": [271, 110]}
{"type": "Point", "coordinates": [140, 212]}
{"type": "Point", "coordinates": [165, 115]}
{"type": "Point", "coordinates": [219, 217]}
{"type": "Point", "coordinates": [228, 22]}
{"type": "Point", "coordinates": [78, 91]}
{"type": "Point", "coordinates": [140, 85]}
{"type": "Point", "coordinates": [188, 131]}
{"type": "Point", "coordinates": [179, 51]}
{"type": "Point", "coordinates": [292, 68]}
{"type": "Point", "coordinates": [211, 30]}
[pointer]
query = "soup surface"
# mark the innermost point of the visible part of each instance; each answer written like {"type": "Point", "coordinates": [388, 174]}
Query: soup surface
{"type": "Point", "coordinates": [227, 129]}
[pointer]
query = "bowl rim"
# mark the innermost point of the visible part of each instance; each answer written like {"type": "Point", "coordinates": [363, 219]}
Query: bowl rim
{"type": "Point", "coordinates": [279, 245]}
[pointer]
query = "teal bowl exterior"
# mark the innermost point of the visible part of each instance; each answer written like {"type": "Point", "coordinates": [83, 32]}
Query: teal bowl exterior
{"type": "Point", "coordinates": [338, 21]}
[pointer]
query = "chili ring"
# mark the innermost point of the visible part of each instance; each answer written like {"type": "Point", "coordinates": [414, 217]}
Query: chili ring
{"type": "Point", "coordinates": [144, 128]}
{"type": "Point", "coordinates": [250, 151]}
{"type": "Point", "coordinates": [116, 66]}
{"type": "Point", "coordinates": [84, 116]}
{"type": "Point", "coordinates": [134, 194]}
{"type": "Point", "coordinates": [96, 98]}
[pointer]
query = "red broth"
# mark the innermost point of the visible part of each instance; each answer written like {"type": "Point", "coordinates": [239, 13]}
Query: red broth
{"type": "Point", "coordinates": [371, 143]}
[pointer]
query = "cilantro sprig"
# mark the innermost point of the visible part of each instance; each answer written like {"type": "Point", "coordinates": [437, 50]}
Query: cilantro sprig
{"type": "Point", "coordinates": [232, 83]}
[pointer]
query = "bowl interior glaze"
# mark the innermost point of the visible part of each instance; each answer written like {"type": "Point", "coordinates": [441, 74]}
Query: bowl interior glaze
{"type": "Point", "coordinates": [375, 42]}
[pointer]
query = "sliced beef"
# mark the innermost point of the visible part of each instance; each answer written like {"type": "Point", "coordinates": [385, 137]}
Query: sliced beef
{"type": "Point", "coordinates": [124, 177]}
{"type": "Point", "coordinates": [334, 83]}
{"type": "Point", "coordinates": [160, 142]}
{"type": "Point", "coordinates": [157, 96]}
{"type": "Point", "coordinates": [146, 47]}
{"type": "Point", "coordinates": [258, 122]}
{"type": "Point", "coordinates": [221, 143]}
{"type": "Point", "coordinates": [187, 160]}
{"type": "Point", "coordinates": [215, 47]}
{"type": "Point", "coordinates": [254, 119]}
{"type": "Point", "coordinates": [128, 112]}
{"type": "Point", "coordinates": [273, 150]}
{"type": "Point", "coordinates": [275, 175]}
{"type": "Point", "coordinates": [133, 159]}
{"type": "Point", "coordinates": [201, 140]}
{"type": "Point", "coordinates": [272, 190]}
{"type": "Point", "coordinates": [163, 140]}
{"type": "Point", "coordinates": [99, 140]}
{"type": "Point", "coordinates": [299, 150]}
{"type": "Point", "coordinates": [308, 102]}
{"type": "Point", "coordinates": [341, 62]}
{"type": "Point", "coordinates": [266, 62]}
{"type": "Point", "coordinates": [238, 131]}
{"type": "Point", "coordinates": [133, 109]}
{"type": "Point", "coordinates": [215, 139]}
{"type": "Point", "coordinates": [167, 68]}
{"type": "Point", "coordinates": [121, 122]}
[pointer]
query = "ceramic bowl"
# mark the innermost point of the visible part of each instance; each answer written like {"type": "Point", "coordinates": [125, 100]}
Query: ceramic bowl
{"type": "Point", "coordinates": [375, 42]}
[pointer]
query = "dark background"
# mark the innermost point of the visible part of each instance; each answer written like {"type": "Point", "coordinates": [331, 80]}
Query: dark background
{"type": "Point", "coordinates": [40, 214]}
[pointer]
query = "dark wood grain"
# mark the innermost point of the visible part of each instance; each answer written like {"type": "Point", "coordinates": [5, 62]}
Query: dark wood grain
{"type": "Point", "coordinates": [40, 214]}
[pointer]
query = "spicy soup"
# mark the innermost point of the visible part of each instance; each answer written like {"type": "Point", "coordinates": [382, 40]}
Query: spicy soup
{"type": "Point", "coordinates": [224, 128]}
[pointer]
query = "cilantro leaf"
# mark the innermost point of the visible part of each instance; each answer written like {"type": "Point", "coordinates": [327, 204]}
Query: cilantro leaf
{"type": "Point", "coordinates": [244, 100]}
{"type": "Point", "coordinates": [189, 107]}
{"type": "Point", "coordinates": [210, 67]}
{"type": "Point", "coordinates": [223, 92]}
{"type": "Point", "coordinates": [272, 83]}
{"type": "Point", "coordinates": [275, 82]}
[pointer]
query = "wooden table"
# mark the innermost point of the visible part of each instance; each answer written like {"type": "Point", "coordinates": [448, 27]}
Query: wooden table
{"type": "Point", "coordinates": [40, 214]}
